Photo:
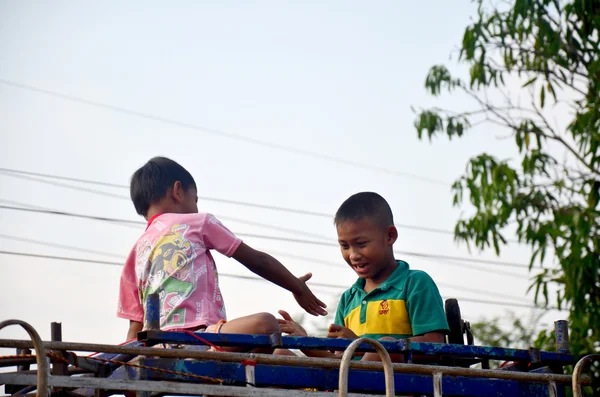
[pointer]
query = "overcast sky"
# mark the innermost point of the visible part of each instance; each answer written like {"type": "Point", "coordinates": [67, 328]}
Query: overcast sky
{"type": "Point", "coordinates": [245, 84]}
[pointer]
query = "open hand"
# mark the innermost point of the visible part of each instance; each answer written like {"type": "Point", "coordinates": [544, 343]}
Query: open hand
{"type": "Point", "coordinates": [337, 331]}
{"type": "Point", "coordinates": [307, 300]}
{"type": "Point", "coordinates": [289, 326]}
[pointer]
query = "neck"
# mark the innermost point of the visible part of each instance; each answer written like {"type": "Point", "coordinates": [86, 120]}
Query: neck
{"type": "Point", "coordinates": [379, 278]}
{"type": "Point", "coordinates": [157, 209]}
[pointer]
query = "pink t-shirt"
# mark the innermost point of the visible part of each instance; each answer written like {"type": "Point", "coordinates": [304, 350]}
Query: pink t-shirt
{"type": "Point", "coordinates": [172, 258]}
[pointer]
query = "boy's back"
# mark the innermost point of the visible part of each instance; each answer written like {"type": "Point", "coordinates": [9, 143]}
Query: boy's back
{"type": "Point", "coordinates": [172, 257]}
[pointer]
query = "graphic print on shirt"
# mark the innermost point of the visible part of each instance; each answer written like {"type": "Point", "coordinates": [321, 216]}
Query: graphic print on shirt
{"type": "Point", "coordinates": [171, 273]}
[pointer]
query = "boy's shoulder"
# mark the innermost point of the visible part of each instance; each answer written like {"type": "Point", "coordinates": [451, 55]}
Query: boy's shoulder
{"type": "Point", "coordinates": [418, 275]}
{"type": "Point", "coordinates": [419, 284]}
{"type": "Point", "coordinates": [408, 280]}
{"type": "Point", "coordinates": [165, 221]}
{"type": "Point", "coordinates": [405, 272]}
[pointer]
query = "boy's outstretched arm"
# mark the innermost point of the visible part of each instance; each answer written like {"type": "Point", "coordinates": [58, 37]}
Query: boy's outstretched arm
{"type": "Point", "coordinates": [271, 269]}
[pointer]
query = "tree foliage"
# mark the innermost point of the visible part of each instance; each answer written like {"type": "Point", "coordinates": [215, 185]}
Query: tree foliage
{"type": "Point", "coordinates": [519, 333]}
{"type": "Point", "coordinates": [549, 195]}
{"type": "Point", "coordinates": [522, 334]}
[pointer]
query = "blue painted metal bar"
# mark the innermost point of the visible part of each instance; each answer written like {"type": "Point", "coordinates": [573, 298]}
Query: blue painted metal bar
{"type": "Point", "coordinates": [495, 353]}
{"type": "Point", "coordinates": [561, 328]}
{"type": "Point", "coordinates": [359, 381]}
{"type": "Point", "coordinates": [152, 312]}
{"type": "Point", "coordinates": [297, 342]}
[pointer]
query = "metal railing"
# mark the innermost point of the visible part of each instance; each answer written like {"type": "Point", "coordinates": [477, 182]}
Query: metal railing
{"type": "Point", "coordinates": [43, 380]}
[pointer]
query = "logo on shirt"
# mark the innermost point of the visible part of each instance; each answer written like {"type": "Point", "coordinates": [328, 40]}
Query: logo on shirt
{"type": "Point", "coordinates": [384, 307]}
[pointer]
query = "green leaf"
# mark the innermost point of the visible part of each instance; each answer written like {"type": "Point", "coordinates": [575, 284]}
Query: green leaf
{"type": "Point", "coordinates": [529, 82]}
{"type": "Point", "coordinates": [548, 199]}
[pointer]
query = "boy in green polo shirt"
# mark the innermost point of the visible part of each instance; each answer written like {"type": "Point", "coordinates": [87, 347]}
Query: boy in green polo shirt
{"type": "Point", "coordinates": [388, 300]}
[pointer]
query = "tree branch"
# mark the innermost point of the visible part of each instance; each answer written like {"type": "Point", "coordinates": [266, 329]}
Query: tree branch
{"type": "Point", "coordinates": [554, 136]}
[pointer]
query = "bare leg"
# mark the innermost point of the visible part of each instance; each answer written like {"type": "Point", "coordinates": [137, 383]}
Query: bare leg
{"type": "Point", "coordinates": [284, 352]}
{"type": "Point", "coordinates": [257, 324]}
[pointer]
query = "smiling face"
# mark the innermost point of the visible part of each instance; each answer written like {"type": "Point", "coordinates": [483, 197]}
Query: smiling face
{"type": "Point", "coordinates": [367, 247]}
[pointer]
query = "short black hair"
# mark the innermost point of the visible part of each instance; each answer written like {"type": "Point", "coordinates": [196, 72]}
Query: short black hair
{"type": "Point", "coordinates": [153, 180]}
{"type": "Point", "coordinates": [365, 205]}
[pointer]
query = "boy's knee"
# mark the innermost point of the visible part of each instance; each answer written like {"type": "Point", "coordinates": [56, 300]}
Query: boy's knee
{"type": "Point", "coordinates": [264, 323]}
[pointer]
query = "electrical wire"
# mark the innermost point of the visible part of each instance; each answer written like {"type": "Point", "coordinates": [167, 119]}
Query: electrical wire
{"type": "Point", "coordinates": [34, 176]}
{"type": "Point", "coordinates": [297, 257]}
{"type": "Point", "coordinates": [252, 278]}
{"type": "Point", "coordinates": [254, 141]}
{"type": "Point", "coordinates": [290, 240]}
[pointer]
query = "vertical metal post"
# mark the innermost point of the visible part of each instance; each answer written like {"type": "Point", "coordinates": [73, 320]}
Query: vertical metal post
{"type": "Point", "coordinates": [152, 312]}
{"type": "Point", "coordinates": [151, 322]}
{"type": "Point", "coordinates": [535, 357]}
{"type": "Point", "coordinates": [23, 352]}
{"type": "Point", "coordinates": [142, 374]}
{"type": "Point", "coordinates": [250, 375]}
{"type": "Point", "coordinates": [561, 329]}
{"type": "Point", "coordinates": [437, 384]}
{"type": "Point", "coordinates": [58, 368]}
{"type": "Point", "coordinates": [552, 391]}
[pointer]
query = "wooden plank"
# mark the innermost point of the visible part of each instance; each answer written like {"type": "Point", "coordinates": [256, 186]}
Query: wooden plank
{"type": "Point", "coordinates": [162, 386]}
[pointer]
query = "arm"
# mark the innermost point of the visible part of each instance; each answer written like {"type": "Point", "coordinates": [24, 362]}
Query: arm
{"type": "Point", "coordinates": [271, 269]}
{"type": "Point", "coordinates": [134, 328]}
{"type": "Point", "coordinates": [432, 337]}
{"type": "Point", "coordinates": [130, 307]}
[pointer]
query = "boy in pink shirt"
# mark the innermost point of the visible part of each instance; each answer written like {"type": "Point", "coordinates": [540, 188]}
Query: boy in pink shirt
{"type": "Point", "coordinates": [172, 258]}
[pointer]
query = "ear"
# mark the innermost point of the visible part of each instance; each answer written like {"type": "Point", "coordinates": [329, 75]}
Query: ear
{"type": "Point", "coordinates": [177, 192]}
{"type": "Point", "coordinates": [392, 234]}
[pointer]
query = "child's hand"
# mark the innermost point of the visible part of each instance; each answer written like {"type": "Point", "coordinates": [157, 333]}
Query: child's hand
{"type": "Point", "coordinates": [307, 300]}
{"type": "Point", "coordinates": [289, 326]}
{"type": "Point", "coordinates": [337, 331]}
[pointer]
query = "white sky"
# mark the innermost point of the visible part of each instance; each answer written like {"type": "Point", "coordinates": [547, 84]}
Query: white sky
{"type": "Point", "coordinates": [336, 78]}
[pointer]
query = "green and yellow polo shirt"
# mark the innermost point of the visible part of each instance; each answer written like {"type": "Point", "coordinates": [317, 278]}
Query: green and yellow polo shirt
{"type": "Point", "coordinates": [407, 304]}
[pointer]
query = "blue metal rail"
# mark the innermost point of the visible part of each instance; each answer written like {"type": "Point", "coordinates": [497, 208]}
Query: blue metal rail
{"type": "Point", "coordinates": [400, 346]}
{"type": "Point", "coordinates": [358, 381]}
{"type": "Point", "coordinates": [133, 367]}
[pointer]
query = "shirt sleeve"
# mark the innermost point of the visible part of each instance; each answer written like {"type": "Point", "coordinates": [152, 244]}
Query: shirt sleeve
{"type": "Point", "coordinates": [424, 304]}
{"type": "Point", "coordinates": [129, 305]}
{"type": "Point", "coordinates": [341, 310]}
{"type": "Point", "coordinates": [218, 237]}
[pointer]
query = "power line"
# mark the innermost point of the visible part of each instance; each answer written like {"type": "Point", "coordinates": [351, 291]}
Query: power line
{"type": "Point", "coordinates": [28, 175]}
{"type": "Point", "coordinates": [278, 254]}
{"type": "Point", "coordinates": [282, 254]}
{"type": "Point", "coordinates": [477, 268]}
{"type": "Point", "coordinates": [64, 178]}
{"type": "Point", "coordinates": [37, 208]}
{"type": "Point", "coordinates": [61, 246]}
{"type": "Point", "coordinates": [291, 240]}
{"type": "Point", "coordinates": [132, 222]}
{"type": "Point", "coordinates": [228, 135]}
{"type": "Point", "coordinates": [252, 278]}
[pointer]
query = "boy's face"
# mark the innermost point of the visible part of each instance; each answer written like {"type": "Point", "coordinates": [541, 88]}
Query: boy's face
{"type": "Point", "coordinates": [366, 246]}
